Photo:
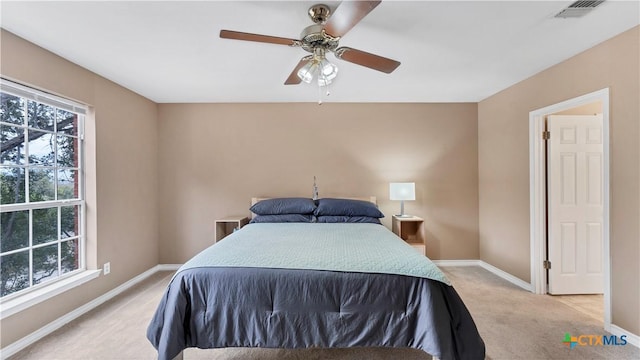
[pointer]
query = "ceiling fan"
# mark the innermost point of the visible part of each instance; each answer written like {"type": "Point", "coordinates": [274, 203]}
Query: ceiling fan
{"type": "Point", "coordinates": [322, 38]}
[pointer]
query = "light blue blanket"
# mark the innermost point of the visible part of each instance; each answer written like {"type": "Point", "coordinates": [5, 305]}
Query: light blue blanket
{"type": "Point", "coordinates": [348, 247]}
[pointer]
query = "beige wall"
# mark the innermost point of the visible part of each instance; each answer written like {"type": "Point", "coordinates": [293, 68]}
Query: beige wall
{"type": "Point", "coordinates": [205, 161]}
{"type": "Point", "coordinates": [215, 157]}
{"type": "Point", "coordinates": [121, 159]}
{"type": "Point", "coordinates": [503, 132]}
{"type": "Point", "coordinates": [167, 171]}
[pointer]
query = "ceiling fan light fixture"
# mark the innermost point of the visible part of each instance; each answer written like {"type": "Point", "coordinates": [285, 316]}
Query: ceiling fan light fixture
{"type": "Point", "coordinates": [322, 69]}
{"type": "Point", "coordinates": [328, 70]}
{"type": "Point", "coordinates": [307, 71]}
{"type": "Point", "coordinates": [323, 81]}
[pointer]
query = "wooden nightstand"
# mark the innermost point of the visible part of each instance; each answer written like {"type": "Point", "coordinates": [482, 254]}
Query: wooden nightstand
{"type": "Point", "coordinates": [411, 230]}
{"type": "Point", "coordinates": [228, 225]}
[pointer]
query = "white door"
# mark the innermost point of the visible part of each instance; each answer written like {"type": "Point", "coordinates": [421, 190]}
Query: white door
{"type": "Point", "coordinates": [575, 194]}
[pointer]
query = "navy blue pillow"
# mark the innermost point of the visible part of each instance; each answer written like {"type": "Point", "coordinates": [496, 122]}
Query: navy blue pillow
{"type": "Point", "coordinates": [286, 218]}
{"type": "Point", "coordinates": [347, 207]}
{"type": "Point", "coordinates": [280, 206]}
{"type": "Point", "coordinates": [347, 219]}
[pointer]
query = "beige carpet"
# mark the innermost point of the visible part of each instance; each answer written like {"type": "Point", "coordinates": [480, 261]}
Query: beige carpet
{"type": "Point", "coordinates": [514, 324]}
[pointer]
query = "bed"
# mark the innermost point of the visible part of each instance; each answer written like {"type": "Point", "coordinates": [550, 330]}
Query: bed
{"type": "Point", "coordinates": [304, 275]}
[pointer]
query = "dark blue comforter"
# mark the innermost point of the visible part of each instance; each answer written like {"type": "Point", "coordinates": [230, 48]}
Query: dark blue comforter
{"type": "Point", "coordinates": [313, 285]}
{"type": "Point", "coordinates": [217, 307]}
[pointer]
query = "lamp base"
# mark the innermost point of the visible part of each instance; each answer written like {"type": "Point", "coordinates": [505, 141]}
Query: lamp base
{"type": "Point", "coordinates": [402, 214]}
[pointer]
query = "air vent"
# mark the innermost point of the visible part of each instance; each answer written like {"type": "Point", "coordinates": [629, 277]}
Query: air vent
{"type": "Point", "coordinates": [578, 9]}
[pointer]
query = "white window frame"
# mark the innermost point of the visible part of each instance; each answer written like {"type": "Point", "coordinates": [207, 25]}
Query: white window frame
{"type": "Point", "coordinates": [33, 294]}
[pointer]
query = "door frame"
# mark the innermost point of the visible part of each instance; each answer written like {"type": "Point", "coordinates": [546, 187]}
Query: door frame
{"type": "Point", "coordinates": [537, 193]}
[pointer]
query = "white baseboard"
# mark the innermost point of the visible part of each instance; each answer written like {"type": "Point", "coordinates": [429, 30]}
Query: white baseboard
{"type": "Point", "coordinates": [13, 348]}
{"type": "Point", "coordinates": [502, 274]}
{"type": "Point", "coordinates": [445, 263]}
{"type": "Point", "coordinates": [168, 267]}
{"type": "Point", "coordinates": [631, 338]}
{"type": "Point", "coordinates": [505, 275]}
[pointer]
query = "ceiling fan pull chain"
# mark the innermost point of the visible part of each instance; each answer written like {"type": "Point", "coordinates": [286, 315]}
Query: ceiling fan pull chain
{"type": "Point", "coordinates": [326, 83]}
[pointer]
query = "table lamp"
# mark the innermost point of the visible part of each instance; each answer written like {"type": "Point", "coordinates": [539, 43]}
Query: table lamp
{"type": "Point", "coordinates": [402, 191]}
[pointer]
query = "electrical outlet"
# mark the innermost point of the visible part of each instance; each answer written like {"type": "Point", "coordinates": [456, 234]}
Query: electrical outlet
{"type": "Point", "coordinates": [106, 269]}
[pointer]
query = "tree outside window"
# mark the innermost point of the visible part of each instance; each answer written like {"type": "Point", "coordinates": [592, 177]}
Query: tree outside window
{"type": "Point", "coordinates": [41, 199]}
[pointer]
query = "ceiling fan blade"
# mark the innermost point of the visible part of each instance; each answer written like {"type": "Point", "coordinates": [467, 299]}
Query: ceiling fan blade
{"type": "Point", "coordinates": [366, 59]}
{"type": "Point", "coordinates": [237, 35]}
{"type": "Point", "coordinates": [293, 78]}
{"type": "Point", "coordinates": [347, 15]}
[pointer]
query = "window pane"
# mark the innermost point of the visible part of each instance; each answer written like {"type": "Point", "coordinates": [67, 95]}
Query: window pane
{"type": "Point", "coordinates": [70, 220]}
{"type": "Point", "coordinates": [41, 148]}
{"type": "Point", "coordinates": [45, 263]}
{"type": "Point", "coordinates": [39, 161]}
{"type": "Point", "coordinates": [11, 109]}
{"type": "Point", "coordinates": [41, 185]}
{"type": "Point", "coordinates": [70, 256]}
{"type": "Point", "coordinates": [14, 272]}
{"type": "Point", "coordinates": [14, 233]}
{"type": "Point", "coordinates": [12, 139]}
{"type": "Point", "coordinates": [12, 180]}
{"type": "Point", "coordinates": [45, 225]}
{"type": "Point", "coordinates": [67, 122]}
{"type": "Point", "coordinates": [40, 116]}
{"type": "Point", "coordinates": [67, 185]}
{"type": "Point", "coordinates": [67, 151]}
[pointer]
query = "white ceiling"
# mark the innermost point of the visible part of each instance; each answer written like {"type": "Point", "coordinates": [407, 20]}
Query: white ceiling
{"type": "Point", "coordinates": [451, 51]}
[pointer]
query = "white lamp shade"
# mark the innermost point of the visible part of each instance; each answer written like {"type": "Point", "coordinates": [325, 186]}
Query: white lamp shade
{"type": "Point", "coordinates": [402, 191]}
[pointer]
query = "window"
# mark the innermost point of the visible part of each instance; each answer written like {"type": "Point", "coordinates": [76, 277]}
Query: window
{"type": "Point", "coordinates": [42, 205]}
